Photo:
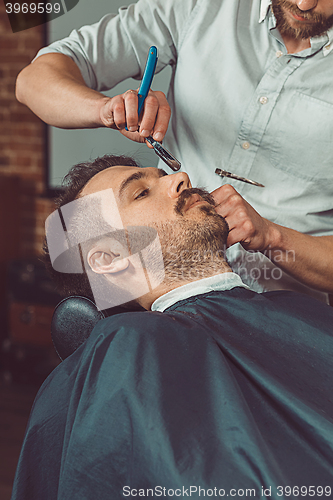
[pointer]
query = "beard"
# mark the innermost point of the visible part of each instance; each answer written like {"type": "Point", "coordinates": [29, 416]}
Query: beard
{"type": "Point", "coordinates": [316, 24]}
{"type": "Point", "coordinates": [194, 245]}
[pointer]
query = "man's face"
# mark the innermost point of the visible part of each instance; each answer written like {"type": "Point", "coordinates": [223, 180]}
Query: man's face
{"type": "Point", "coordinates": [148, 196]}
{"type": "Point", "coordinates": [302, 19]}
{"type": "Point", "coordinates": [185, 218]}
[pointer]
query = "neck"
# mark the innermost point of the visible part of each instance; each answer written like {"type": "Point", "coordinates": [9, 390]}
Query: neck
{"type": "Point", "coordinates": [294, 45]}
{"type": "Point", "coordinates": [186, 276]}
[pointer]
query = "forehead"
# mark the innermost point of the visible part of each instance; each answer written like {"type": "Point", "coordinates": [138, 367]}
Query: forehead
{"type": "Point", "coordinates": [111, 177]}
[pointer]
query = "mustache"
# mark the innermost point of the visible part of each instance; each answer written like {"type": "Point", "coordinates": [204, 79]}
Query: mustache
{"type": "Point", "coordinates": [311, 16]}
{"type": "Point", "coordinates": [187, 193]}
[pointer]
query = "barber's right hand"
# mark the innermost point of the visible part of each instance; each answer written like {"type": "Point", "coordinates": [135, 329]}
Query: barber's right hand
{"type": "Point", "coordinates": [122, 110]}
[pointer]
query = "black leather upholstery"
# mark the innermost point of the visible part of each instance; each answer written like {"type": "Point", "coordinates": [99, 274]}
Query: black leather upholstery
{"type": "Point", "coordinates": [74, 319]}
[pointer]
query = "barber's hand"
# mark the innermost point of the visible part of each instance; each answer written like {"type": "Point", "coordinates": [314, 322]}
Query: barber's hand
{"type": "Point", "coordinates": [122, 110]}
{"type": "Point", "coordinates": [246, 226]}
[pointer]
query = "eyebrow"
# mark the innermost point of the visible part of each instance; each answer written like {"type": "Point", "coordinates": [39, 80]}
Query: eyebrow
{"type": "Point", "coordinates": [136, 177]}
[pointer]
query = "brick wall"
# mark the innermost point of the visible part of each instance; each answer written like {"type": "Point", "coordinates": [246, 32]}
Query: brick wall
{"type": "Point", "coordinates": [22, 148]}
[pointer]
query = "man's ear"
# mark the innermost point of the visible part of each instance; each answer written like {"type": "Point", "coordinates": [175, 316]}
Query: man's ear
{"type": "Point", "coordinates": [102, 261]}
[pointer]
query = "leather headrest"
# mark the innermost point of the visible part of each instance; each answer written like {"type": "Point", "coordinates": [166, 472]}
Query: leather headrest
{"type": "Point", "coordinates": [73, 320]}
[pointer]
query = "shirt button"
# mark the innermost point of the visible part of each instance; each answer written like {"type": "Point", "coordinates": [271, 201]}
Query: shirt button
{"type": "Point", "coordinates": [263, 100]}
{"type": "Point", "coordinates": [245, 145]}
{"type": "Point", "coordinates": [279, 53]}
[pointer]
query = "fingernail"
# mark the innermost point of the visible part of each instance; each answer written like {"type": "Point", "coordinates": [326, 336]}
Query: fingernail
{"type": "Point", "coordinates": [158, 136]}
{"type": "Point", "coordinates": [145, 133]}
{"type": "Point", "coordinates": [133, 129]}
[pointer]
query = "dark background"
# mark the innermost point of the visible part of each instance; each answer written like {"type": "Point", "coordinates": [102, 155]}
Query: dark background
{"type": "Point", "coordinates": [26, 352]}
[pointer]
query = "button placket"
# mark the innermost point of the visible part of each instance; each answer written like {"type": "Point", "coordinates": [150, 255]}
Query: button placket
{"type": "Point", "coordinates": [257, 116]}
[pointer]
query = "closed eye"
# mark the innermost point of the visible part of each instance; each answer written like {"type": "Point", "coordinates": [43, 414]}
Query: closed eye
{"type": "Point", "coordinates": [142, 194]}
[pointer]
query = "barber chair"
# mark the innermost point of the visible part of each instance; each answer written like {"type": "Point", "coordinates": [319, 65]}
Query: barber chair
{"type": "Point", "coordinates": [73, 321]}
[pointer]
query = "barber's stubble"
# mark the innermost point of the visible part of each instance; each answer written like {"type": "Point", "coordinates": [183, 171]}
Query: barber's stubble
{"type": "Point", "coordinates": [193, 247]}
{"type": "Point", "coordinates": [317, 23]}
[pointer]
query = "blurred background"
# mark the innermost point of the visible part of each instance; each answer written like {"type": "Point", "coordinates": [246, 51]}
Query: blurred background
{"type": "Point", "coordinates": [27, 297]}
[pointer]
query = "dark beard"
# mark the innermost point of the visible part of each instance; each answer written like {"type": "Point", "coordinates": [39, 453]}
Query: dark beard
{"type": "Point", "coordinates": [318, 23]}
{"type": "Point", "coordinates": [193, 249]}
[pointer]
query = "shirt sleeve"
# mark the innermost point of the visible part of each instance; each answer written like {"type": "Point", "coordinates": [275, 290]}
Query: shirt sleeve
{"type": "Point", "coordinates": [116, 47]}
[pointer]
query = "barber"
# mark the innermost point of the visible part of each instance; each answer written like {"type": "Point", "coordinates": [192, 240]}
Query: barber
{"type": "Point", "coordinates": [251, 93]}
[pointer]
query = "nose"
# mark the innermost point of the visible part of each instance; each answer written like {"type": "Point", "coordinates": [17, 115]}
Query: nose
{"type": "Point", "coordinates": [177, 183]}
{"type": "Point", "coordinates": [306, 4]}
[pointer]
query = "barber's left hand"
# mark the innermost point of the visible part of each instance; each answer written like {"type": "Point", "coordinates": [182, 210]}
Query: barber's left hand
{"type": "Point", "coordinates": [246, 226]}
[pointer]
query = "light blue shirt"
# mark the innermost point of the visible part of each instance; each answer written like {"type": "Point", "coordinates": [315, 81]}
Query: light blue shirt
{"type": "Point", "coordinates": [239, 102]}
{"type": "Point", "coordinates": [221, 282]}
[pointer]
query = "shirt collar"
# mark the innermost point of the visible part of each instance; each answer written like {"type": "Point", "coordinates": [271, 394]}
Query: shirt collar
{"type": "Point", "coordinates": [327, 48]}
{"type": "Point", "coordinates": [221, 282]}
{"type": "Point", "coordinates": [264, 6]}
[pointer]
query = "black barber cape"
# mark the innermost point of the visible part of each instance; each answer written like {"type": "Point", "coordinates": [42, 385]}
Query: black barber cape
{"type": "Point", "coordinates": [226, 391]}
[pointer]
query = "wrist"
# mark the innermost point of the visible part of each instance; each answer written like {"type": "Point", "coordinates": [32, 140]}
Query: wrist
{"type": "Point", "coordinates": [274, 237]}
{"type": "Point", "coordinates": [102, 118]}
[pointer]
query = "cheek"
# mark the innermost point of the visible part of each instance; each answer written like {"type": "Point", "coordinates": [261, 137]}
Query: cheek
{"type": "Point", "coordinates": [147, 212]}
{"type": "Point", "coordinates": [325, 7]}
{"type": "Point", "coordinates": [158, 208]}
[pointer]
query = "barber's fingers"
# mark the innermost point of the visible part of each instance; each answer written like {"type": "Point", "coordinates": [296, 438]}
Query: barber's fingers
{"type": "Point", "coordinates": [226, 196]}
{"type": "Point", "coordinates": [246, 226]}
{"type": "Point", "coordinates": [122, 110]}
{"type": "Point", "coordinates": [156, 115]}
{"type": "Point", "coordinates": [130, 111]}
{"type": "Point", "coordinates": [119, 110]}
{"type": "Point", "coordinates": [243, 230]}
{"type": "Point", "coordinates": [228, 203]}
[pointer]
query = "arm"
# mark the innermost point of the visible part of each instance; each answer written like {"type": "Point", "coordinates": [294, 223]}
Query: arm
{"type": "Point", "coordinates": [54, 89]}
{"type": "Point", "coordinates": [307, 258]}
{"type": "Point", "coordinates": [59, 88]}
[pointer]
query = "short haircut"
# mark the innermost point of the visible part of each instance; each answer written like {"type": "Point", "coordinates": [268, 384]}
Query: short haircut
{"type": "Point", "coordinates": [72, 185]}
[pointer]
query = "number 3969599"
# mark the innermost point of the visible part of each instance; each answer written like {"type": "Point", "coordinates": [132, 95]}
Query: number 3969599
{"type": "Point", "coordinates": [33, 8]}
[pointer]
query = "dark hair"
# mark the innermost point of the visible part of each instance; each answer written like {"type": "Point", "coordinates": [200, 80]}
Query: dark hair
{"type": "Point", "coordinates": [72, 185]}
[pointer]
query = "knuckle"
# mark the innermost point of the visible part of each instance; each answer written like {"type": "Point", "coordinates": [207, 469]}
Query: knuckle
{"type": "Point", "coordinates": [229, 190]}
{"type": "Point", "coordinates": [248, 226]}
{"type": "Point", "coordinates": [161, 97]}
{"type": "Point", "coordinates": [152, 99]}
{"type": "Point", "coordinates": [116, 99]}
{"type": "Point", "coordinates": [128, 92]}
{"type": "Point", "coordinates": [118, 107]}
{"type": "Point", "coordinates": [235, 198]}
{"type": "Point", "coordinates": [131, 97]}
{"type": "Point", "coordinates": [160, 94]}
{"type": "Point", "coordinates": [242, 214]}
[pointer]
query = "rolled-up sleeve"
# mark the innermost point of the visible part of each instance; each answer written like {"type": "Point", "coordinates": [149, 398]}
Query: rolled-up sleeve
{"type": "Point", "coordinates": [116, 47]}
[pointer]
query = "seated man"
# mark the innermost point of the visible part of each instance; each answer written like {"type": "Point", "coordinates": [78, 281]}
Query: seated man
{"type": "Point", "coordinates": [213, 390]}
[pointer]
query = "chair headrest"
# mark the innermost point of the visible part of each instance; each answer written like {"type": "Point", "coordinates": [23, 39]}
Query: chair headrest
{"type": "Point", "coordinates": [73, 320]}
